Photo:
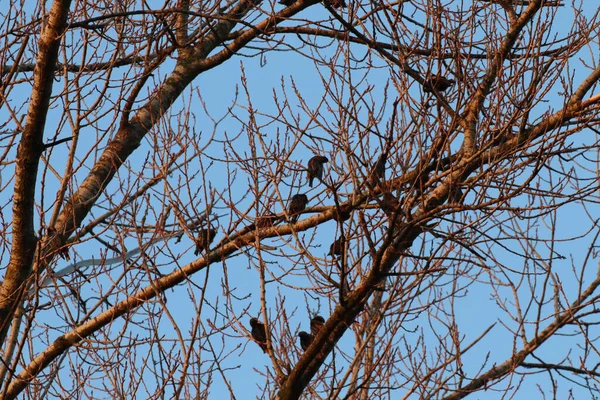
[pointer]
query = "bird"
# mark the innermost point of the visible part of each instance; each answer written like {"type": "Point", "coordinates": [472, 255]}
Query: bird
{"type": "Point", "coordinates": [297, 204]}
{"type": "Point", "coordinates": [204, 239]}
{"type": "Point", "coordinates": [287, 3]}
{"type": "Point", "coordinates": [305, 339]}
{"type": "Point", "coordinates": [378, 173]}
{"type": "Point", "coordinates": [438, 83]}
{"type": "Point", "coordinates": [338, 4]}
{"type": "Point", "coordinates": [336, 247]}
{"type": "Point", "coordinates": [316, 323]}
{"type": "Point", "coordinates": [259, 334]}
{"type": "Point", "coordinates": [389, 203]}
{"type": "Point", "coordinates": [315, 168]}
{"type": "Point", "coordinates": [342, 214]}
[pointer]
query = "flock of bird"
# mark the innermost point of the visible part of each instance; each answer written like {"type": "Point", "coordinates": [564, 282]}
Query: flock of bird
{"type": "Point", "coordinates": [298, 203]}
{"type": "Point", "coordinates": [259, 333]}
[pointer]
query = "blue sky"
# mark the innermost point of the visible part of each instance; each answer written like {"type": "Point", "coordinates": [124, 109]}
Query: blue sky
{"type": "Point", "coordinates": [475, 311]}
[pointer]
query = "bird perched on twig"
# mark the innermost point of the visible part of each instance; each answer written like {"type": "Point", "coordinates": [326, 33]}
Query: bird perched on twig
{"type": "Point", "coordinates": [337, 247]}
{"type": "Point", "coordinates": [337, 4]}
{"type": "Point", "coordinates": [438, 83]}
{"type": "Point", "coordinates": [316, 323]}
{"type": "Point", "coordinates": [378, 174]}
{"type": "Point", "coordinates": [204, 239]}
{"type": "Point", "coordinates": [315, 168]}
{"type": "Point", "coordinates": [305, 339]}
{"type": "Point", "coordinates": [389, 203]}
{"type": "Point", "coordinates": [342, 215]}
{"type": "Point", "coordinates": [297, 204]}
{"type": "Point", "coordinates": [259, 333]}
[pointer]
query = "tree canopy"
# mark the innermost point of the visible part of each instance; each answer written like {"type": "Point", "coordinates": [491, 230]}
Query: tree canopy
{"type": "Point", "coordinates": [336, 199]}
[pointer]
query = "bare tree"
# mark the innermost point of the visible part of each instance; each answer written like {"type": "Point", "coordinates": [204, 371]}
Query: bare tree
{"type": "Point", "coordinates": [160, 238]}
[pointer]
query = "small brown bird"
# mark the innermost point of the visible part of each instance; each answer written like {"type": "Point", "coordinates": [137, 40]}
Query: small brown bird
{"type": "Point", "coordinates": [316, 323]}
{"type": "Point", "coordinates": [438, 83]}
{"type": "Point", "coordinates": [315, 168]}
{"type": "Point", "coordinates": [297, 204]}
{"type": "Point", "coordinates": [338, 4]}
{"type": "Point", "coordinates": [337, 247]}
{"type": "Point", "coordinates": [389, 203]}
{"type": "Point", "coordinates": [342, 215]}
{"type": "Point", "coordinates": [378, 174]}
{"type": "Point", "coordinates": [204, 239]}
{"type": "Point", "coordinates": [305, 339]}
{"type": "Point", "coordinates": [259, 334]}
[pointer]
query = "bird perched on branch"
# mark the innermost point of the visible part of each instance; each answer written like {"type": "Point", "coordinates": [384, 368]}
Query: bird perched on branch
{"type": "Point", "coordinates": [337, 4]}
{"type": "Point", "coordinates": [316, 323]}
{"type": "Point", "coordinates": [315, 168]}
{"type": "Point", "coordinates": [337, 247]}
{"type": "Point", "coordinates": [305, 339]}
{"type": "Point", "coordinates": [259, 333]}
{"type": "Point", "coordinates": [297, 204]}
{"type": "Point", "coordinates": [389, 203]}
{"type": "Point", "coordinates": [438, 83]}
{"type": "Point", "coordinates": [204, 239]}
{"type": "Point", "coordinates": [378, 174]}
{"type": "Point", "coordinates": [287, 3]}
{"type": "Point", "coordinates": [342, 215]}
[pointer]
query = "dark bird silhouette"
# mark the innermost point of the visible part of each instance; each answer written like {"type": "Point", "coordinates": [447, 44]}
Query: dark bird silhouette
{"type": "Point", "coordinates": [287, 3]}
{"type": "Point", "coordinates": [389, 204]}
{"type": "Point", "coordinates": [438, 83]}
{"type": "Point", "coordinates": [297, 204]}
{"type": "Point", "coordinates": [338, 4]}
{"type": "Point", "coordinates": [377, 174]}
{"type": "Point", "coordinates": [342, 215]}
{"type": "Point", "coordinates": [379, 170]}
{"type": "Point", "coordinates": [315, 168]}
{"type": "Point", "coordinates": [204, 240]}
{"type": "Point", "coordinates": [305, 339]}
{"type": "Point", "coordinates": [337, 247]}
{"type": "Point", "coordinates": [259, 334]}
{"type": "Point", "coordinates": [316, 323]}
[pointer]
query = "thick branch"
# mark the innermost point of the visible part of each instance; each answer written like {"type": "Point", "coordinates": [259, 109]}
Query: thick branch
{"type": "Point", "coordinates": [28, 157]}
